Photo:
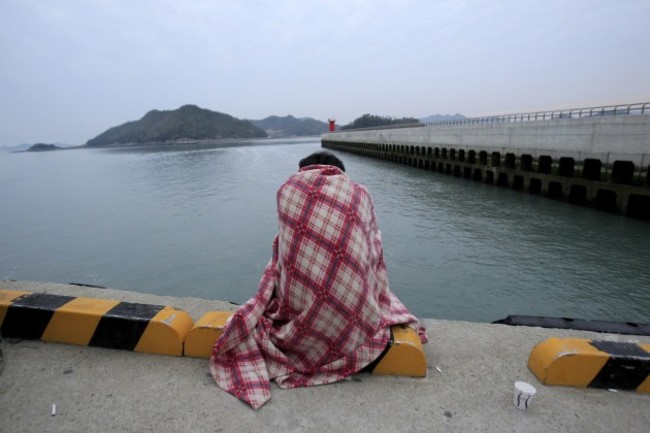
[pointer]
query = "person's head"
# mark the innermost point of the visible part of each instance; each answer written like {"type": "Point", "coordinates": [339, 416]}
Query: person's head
{"type": "Point", "coordinates": [322, 158]}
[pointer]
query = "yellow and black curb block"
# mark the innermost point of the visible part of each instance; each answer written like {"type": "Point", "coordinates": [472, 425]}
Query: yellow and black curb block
{"type": "Point", "coordinates": [200, 340]}
{"type": "Point", "coordinates": [403, 356]}
{"type": "Point", "coordinates": [93, 322]}
{"type": "Point", "coordinates": [156, 329]}
{"type": "Point", "coordinates": [592, 363]}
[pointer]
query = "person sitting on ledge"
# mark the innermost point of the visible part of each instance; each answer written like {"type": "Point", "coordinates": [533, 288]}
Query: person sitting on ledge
{"type": "Point", "coordinates": [323, 309]}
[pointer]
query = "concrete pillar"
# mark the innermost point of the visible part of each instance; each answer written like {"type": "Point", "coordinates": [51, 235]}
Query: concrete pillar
{"type": "Point", "coordinates": [544, 164]}
{"type": "Point", "coordinates": [495, 160]}
{"type": "Point", "coordinates": [623, 172]}
{"type": "Point", "coordinates": [567, 167]}
{"type": "Point", "coordinates": [591, 169]}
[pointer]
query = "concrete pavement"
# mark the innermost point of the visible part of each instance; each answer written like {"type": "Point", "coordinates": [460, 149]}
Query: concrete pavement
{"type": "Point", "coordinates": [101, 390]}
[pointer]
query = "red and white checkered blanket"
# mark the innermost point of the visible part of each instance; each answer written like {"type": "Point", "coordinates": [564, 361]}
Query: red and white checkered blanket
{"type": "Point", "coordinates": [323, 308]}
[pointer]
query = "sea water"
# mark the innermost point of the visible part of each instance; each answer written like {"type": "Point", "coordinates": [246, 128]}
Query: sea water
{"type": "Point", "coordinates": [199, 221]}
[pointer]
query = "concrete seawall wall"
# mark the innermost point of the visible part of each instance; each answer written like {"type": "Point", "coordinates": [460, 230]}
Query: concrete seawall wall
{"type": "Point", "coordinates": [624, 137]}
{"type": "Point", "coordinates": [601, 162]}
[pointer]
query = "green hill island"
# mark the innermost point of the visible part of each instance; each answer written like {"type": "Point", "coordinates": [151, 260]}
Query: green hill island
{"type": "Point", "coordinates": [187, 124]}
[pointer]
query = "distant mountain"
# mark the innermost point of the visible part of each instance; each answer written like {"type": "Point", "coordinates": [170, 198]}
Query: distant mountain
{"type": "Point", "coordinates": [187, 123]}
{"type": "Point", "coordinates": [15, 147]}
{"type": "Point", "coordinates": [442, 118]}
{"type": "Point", "coordinates": [289, 126]}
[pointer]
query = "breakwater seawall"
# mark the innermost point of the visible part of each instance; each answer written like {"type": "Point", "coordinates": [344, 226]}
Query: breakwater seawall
{"type": "Point", "coordinates": [592, 158]}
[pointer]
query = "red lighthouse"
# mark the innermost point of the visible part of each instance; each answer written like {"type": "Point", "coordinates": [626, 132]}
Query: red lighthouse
{"type": "Point", "coordinates": [332, 124]}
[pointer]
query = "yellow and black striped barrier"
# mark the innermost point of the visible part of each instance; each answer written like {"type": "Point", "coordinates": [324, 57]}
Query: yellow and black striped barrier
{"type": "Point", "coordinates": [93, 322]}
{"type": "Point", "coordinates": [592, 363]}
{"type": "Point", "coordinates": [156, 329]}
{"type": "Point", "coordinates": [404, 354]}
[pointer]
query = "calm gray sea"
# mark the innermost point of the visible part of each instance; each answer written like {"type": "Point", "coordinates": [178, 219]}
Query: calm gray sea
{"type": "Point", "coordinates": [200, 222]}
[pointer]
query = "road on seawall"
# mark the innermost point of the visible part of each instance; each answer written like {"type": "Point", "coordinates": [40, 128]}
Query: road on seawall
{"type": "Point", "coordinates": [469, 387]}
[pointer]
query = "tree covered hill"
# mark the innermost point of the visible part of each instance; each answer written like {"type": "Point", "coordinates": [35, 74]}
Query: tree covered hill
{"type": "Point", "coordinates": [43, 147]}
{"type": "Point", "coordinates": [371, 121]}
{"type": "Point", "coordinates": [289, 126]}
{"type": "Point", "coordinates": [188, 122]}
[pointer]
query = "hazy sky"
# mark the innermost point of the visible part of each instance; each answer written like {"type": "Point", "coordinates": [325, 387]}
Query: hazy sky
{"type": "Point", "coordinates": [69, 69]}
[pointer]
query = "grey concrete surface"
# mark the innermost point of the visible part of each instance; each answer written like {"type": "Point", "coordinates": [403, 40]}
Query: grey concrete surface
{"type": "Point", "coordinates": [101, 390]}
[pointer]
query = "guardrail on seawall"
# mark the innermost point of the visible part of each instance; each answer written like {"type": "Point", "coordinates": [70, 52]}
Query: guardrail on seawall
{"type": "Point", "coordinates": [572, 113]}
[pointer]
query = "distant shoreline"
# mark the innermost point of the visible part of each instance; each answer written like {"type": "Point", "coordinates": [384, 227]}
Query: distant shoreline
{"type": "Point", "coordinates": [197, 142]}
{"type": "Point", "coordinates": [179, 144]}
{"type": "Point", "coordinates": [53, 149]}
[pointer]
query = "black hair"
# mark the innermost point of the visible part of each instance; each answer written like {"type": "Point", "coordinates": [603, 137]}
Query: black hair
{"type": "Point", "coordinates": [322, 158]}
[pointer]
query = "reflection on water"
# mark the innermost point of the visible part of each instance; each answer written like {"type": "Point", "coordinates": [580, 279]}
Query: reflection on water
{"type": "Point", "coordinates": [199, 222]}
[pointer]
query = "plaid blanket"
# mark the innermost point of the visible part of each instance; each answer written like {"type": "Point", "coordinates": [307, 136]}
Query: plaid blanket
{"type": "Point", "coordinates": [323, 308]}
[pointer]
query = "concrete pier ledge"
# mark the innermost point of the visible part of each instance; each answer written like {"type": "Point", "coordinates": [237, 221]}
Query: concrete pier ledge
{"type": "Point", "coordinates": [469, 387]}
